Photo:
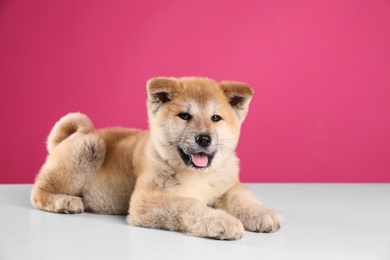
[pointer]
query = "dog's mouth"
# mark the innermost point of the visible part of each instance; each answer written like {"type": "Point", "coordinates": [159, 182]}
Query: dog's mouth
{"type": "Point", "coordinates": [197, 160]}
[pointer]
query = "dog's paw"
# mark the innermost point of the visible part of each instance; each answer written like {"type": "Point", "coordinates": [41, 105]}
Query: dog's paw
{"type": "Point", "coordinates": [221, 225]}
{"type": "Point", "coordinates": [69, 205]}
{"type": "Point", "coordinates": [259, 219]}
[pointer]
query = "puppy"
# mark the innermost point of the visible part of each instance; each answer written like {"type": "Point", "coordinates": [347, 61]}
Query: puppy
{"type": "Point", "coordinates": [182, 174]}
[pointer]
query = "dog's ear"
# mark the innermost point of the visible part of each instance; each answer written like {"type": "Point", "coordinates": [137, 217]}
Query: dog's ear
{"type": "Point", "coordinates": [160, 91]}
{"type": "Point", "coordinates": [239, 96]}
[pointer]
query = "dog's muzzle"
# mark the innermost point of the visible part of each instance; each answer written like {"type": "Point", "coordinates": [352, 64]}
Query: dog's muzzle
{"type": "Point", "coordinates": [200, 157]}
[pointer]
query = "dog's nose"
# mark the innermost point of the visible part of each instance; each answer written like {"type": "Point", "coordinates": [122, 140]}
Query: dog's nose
{"type": "Point", "coordinates": [203, 140]}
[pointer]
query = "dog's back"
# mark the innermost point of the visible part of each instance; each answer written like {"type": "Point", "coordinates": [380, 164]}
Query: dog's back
{"type": "Point", "coordinates": [87, 169]}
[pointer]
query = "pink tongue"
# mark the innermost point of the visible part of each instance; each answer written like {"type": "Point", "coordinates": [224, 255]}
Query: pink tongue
{"type": "Point", "coordinates": [200, 159]}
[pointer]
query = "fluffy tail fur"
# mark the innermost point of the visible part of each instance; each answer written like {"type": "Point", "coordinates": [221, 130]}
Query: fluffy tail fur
{"type": "Point", "coordinates": [66, 126]}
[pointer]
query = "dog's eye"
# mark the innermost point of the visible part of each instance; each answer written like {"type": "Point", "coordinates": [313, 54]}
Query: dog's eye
{"type": "Point", "coordinates": [216, 118]}
{"type": "Point", "coordinates": [185, 116]}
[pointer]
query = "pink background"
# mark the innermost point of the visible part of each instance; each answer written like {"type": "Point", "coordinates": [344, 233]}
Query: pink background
{"type": "Point", "coordinates": [320, 70]}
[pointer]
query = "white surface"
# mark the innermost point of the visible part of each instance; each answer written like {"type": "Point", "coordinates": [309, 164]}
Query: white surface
{"type": "Point", "coordinates": [338, 221]}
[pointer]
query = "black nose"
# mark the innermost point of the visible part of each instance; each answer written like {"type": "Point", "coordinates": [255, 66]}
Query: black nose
{"type": "Point", "coordinates": [203, 140]}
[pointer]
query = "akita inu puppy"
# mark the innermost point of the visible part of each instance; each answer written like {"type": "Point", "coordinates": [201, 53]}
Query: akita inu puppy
{"type": "Point", "coordinates": [182, 174]}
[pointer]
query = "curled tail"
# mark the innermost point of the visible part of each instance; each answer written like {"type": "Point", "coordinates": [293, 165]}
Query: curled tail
{"type": "Point", "coordinates": [66, 126]}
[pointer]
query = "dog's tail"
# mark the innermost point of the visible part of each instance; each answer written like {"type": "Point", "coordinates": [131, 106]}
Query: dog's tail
{"type": "Point", "coordinates": [68, 125]}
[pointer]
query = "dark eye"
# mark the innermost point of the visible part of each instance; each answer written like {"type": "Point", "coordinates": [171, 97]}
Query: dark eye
{"type": "Point", "coordinates": [216, 118]}
{"type": "Point", "coordinates": [185, 116]}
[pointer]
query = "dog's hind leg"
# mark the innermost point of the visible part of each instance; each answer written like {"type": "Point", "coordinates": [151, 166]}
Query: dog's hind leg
{"type": "Point", "coordinates": [60, 182]}
{"type": "Point", "coordinates": [58, 203]}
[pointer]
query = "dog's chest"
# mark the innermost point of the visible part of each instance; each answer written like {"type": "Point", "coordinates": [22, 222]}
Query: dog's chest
{"type": "Point", "coordinates": [206, 187]}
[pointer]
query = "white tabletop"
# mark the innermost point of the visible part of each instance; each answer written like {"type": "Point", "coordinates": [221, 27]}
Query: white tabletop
{"type": "Point", "coordinates": [328, 221]}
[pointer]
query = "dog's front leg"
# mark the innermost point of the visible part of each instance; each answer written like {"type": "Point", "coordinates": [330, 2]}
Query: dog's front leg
{"type": "Point", "coordinates": [243, 204]}
{"type": "Point", "coordinates": [160, 209]}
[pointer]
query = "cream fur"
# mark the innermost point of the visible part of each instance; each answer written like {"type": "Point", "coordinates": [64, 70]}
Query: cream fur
{"type": "Point", "coordinates": [143, 174]}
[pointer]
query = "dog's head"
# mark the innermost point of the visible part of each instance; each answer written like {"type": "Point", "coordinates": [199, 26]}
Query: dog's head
{"type": "Point", "coordinates": [195, 121]}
